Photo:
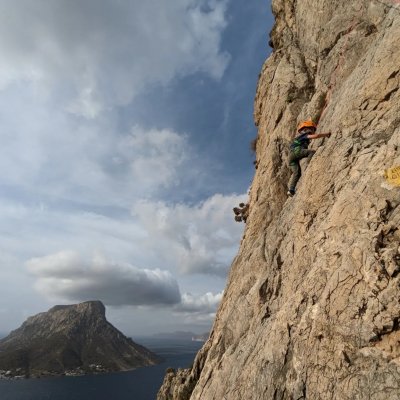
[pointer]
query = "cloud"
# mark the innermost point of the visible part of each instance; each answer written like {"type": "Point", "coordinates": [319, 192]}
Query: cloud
{"type": "Point", "coordinates": [47, 228]}
{"type": "Point", "coordinates": [69, 182]}
{"type": "Point", "coordinates": [198, 310]}
{"type": "Point", "coordinates": [87, 58]}
{"type": "Point", "coordinates": [205, 304]}
{"type": "Point", "coordinates": [50, 155]}
{"type": "Point", "coordinates": [154, 157]}
{"type": "Point", "coordinates": [200, 238]}
{"type": "Point", "coordinates": [65, 275]}
{"type": "Point", "coordinates": [101, 53]}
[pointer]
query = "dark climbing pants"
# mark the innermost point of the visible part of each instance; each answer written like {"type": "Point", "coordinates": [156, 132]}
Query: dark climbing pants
{"type": "Point", "coordinates": [294, 163]}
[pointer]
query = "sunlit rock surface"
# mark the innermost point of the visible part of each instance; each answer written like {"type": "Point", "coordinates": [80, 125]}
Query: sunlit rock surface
{"type": "Point", "coordinates": [311, 309]}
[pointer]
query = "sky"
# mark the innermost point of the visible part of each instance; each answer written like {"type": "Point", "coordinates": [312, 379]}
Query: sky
{"type": "Point", "coordinates": [125, 143]}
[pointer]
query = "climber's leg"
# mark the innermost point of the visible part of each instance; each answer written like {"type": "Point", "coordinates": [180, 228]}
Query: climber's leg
{"type": "Point", "coordinates": [310, 153]}
{"type": "Point", "coordinates": [305, 153]}
{"type": "Point", "coordinates": [294, 164]}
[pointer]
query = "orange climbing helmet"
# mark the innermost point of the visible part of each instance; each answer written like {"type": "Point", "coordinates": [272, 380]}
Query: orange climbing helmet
{"type": "Point", "coordinates": [306, 124]}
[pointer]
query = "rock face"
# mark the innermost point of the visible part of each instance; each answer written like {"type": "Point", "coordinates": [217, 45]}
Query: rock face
{"type": "Point", "coordinates": [312, 305]}
{"type": "Point", "coordinates": [70, 339]}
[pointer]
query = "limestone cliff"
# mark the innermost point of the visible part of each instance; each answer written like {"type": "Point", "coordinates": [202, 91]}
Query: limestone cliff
{"type": "Point", "coordinates": [312, 305]}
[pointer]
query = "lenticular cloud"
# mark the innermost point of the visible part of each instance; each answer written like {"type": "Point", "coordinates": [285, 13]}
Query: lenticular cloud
{"type": "Point", "coordinates": [66, 275]}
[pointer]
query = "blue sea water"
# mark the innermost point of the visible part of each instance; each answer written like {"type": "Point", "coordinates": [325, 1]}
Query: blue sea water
{"type": "Point", "coordinates": [139, 384]}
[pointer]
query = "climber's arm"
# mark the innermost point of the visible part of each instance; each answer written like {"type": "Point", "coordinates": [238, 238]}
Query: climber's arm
{"type": "Point", "coordinates": [318, 135]}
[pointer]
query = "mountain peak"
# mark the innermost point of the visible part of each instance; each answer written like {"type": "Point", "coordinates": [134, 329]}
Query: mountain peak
{"type": "Point", "coordinates": [92, 306]}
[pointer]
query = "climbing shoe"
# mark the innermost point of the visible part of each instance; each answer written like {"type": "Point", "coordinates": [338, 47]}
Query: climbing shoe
{"type": "Point", "coordinates": [291, 192]}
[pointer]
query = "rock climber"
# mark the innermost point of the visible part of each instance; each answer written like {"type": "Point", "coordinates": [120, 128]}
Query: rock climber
{"type": "Point", "coordinates": [299, 149]}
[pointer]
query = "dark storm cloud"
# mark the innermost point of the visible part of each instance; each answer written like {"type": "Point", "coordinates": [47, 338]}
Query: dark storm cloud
{"type": "Point", "coordinates": [67, 276]}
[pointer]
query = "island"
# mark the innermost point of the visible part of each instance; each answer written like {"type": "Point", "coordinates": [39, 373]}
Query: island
{"type": "Point", "coordinates": [70, 340]}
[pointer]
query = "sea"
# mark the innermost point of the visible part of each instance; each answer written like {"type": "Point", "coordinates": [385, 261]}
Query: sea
{"type": "Point", "coordinates": [139, 384]}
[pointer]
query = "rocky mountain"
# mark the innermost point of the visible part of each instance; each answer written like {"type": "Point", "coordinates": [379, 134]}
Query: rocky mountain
{"type": "Point", "coordinates": [72, 339]}
{"type": "Point", "coordinates": [312, 305]}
